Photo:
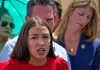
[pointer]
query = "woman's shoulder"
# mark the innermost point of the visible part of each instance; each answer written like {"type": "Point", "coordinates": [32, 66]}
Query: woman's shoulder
{"type": "Point", "coordinates": [97, 42]}
{"type": "Point", "coordinates": [59, 63]}
{"type": "Point", "coordinates": [5, 65]}
{"type": "Point", "coordinates": [60, 60]}
{"type": "Point", "coordinates": [57, 59]}
{"type": "Point", "coordinates": [9, 65]}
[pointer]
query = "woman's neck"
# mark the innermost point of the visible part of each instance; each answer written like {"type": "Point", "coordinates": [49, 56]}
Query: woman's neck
{"type": "Point", "coordinates": [38, 62]}
{"type": "Point", "coordinates": [72, 34]}
{"type": "Point", "coordinates": [71, 40]}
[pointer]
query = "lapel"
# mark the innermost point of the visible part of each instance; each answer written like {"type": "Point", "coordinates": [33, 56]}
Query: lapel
{"type": "Point", "coordinates": [84, 55]}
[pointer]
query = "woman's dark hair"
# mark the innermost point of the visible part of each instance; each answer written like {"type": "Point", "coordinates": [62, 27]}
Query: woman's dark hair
{"type": "Point", "coordinates": [21, 51]}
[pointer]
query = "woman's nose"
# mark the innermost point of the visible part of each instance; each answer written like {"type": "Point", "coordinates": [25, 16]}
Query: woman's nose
{"type": "Point", "coordinates": [8, 26]}
{"type": "Point", "coordinates": [41, 41]}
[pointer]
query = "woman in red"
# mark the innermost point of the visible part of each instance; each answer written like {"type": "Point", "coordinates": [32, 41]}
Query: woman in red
{"type": "Point", "coordinates": [33, 50]}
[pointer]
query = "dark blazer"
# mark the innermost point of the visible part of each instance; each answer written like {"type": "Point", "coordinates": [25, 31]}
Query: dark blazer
{"type": "Point", "coordinates": [96, 63]}
{"type": "Point", "coordinates": [84, 56]}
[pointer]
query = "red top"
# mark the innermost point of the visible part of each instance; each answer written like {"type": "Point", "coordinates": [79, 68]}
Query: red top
{"type": "Point", "coordinates": [52, 64]}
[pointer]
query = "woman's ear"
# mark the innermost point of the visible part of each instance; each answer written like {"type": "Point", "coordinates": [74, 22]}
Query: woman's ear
{"type": "Point", "coordinates": [27, 18]}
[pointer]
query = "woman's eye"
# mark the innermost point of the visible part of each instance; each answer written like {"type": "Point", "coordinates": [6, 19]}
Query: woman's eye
{"type": "Point", "coordinates": [81, 14]}
{"type": "Point", "coordinates": [46, 37]}
{"type": "Point", "coordinates": [33, 37]}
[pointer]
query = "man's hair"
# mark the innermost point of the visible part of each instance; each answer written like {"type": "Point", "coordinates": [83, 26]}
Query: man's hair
{"type": "Point", "coordinates": [32, 3]}
{"type": "Point", "coordinates": [59, 8]}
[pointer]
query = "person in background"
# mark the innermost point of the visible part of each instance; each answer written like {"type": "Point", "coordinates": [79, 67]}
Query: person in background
{"type": "Point", "coordinates": [77, 32]}
{"type": "Point", "coordinates": [45, 10]}
{"type": "Point", "coordinates": [96, 62]}
{"type": "Point", "coordinates": [97, 42]}
{"type": "Point", "coordinates": [34, 49]}
{"type": "Point", "coordinates": [57, 14]}
{"type": "Point", "coordinates": [6, 27]}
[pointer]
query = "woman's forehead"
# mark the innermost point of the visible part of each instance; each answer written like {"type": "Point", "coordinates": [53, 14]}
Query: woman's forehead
{"type": "Point", "coordinates": [85, 9]}
{"type": "Point", "coordinates": [38, 28]}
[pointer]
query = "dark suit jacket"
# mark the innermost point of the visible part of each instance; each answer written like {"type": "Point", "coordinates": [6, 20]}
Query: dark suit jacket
{"type": "Point", "coordinates": [84, 56]}
{"type": "Point", "coordinates": [96, 63]}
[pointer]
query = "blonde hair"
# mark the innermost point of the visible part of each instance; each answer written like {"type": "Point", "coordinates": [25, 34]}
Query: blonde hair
{"type": "Point", "coordinates": [90, 30]}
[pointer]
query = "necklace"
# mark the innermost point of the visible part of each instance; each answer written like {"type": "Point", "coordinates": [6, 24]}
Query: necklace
{"type": "Point", "coordinates": [70, 44]}
{"type": "Point", "coordinates": [71, 41]}
{"type": "Point", "coordinates": [73, 45]}
{"type": "Point", "coordinates": [71, 49]}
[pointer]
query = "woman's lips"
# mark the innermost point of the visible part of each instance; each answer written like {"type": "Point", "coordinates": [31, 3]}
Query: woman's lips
{"type": "Point", "coordinates": [41, 51]}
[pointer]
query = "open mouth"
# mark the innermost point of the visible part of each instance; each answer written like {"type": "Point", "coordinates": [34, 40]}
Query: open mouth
{"type": "Point", "coordinates": [41, 51]}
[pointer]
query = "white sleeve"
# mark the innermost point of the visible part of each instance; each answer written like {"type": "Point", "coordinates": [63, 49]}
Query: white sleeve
{"type": "Point", "coordinates": [7, 49]}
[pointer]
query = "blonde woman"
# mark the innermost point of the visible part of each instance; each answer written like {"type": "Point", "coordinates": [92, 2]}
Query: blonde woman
{"type": "Point", "coordinates": [77, 32]}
